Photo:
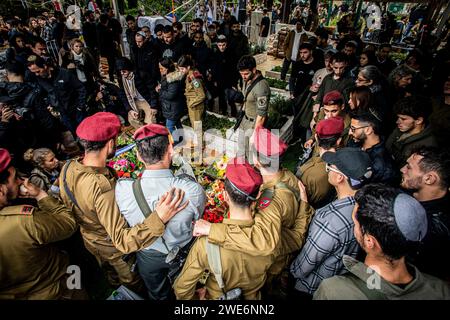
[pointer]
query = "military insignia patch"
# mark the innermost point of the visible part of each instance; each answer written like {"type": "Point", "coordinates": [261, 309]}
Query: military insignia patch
{"type": "Point", "coordinates": [262, 101]}
{"type": "Point", "coordinates": [196, 83]}
{"type": "Point", "coordinates": [27, 210]}
{"type": "Point", "coordinates": [264, 203]}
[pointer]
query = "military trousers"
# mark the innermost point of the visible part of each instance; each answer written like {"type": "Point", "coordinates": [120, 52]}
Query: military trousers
{"type": "Point", "coordinates": [196, 113]}
{"type": "Point", "coordinates": [154, 270]}
{"type": "Point", "coordinates": [118, 271]}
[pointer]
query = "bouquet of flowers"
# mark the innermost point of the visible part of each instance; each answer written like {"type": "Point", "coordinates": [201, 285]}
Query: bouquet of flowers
{"type": "Point", "coordinates": [126, 164]}
{"type": "Point", "coordinates": [217, 168]}
{"type": "Point", "coordinates": [212, 180]}
{"type": "Point", "coordinates": [216, 208]}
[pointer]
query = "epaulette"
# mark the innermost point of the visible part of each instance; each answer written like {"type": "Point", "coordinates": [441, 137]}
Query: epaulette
{"type": "Point", "coordinates": [25, 210]}
{"type": "Point", "coordinates": [104, 183]}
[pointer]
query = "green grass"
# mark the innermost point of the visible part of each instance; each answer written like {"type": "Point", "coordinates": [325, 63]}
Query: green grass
{"type": "Point", "coordinates": [278, 69]}
{"type": "Point", "coordinates": [277, 83]}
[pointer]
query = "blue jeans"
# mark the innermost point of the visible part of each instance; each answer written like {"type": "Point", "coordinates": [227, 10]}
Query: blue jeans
{"type": "Point", "coordinates": [172, 125]}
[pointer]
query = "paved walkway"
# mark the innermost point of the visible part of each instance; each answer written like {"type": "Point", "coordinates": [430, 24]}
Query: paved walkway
{"type": "Point", "coordinates": [269, 64]}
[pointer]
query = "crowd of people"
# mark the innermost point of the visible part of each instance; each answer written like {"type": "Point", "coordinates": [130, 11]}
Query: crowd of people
{"type": "Point", "coordinates": [365, 216]}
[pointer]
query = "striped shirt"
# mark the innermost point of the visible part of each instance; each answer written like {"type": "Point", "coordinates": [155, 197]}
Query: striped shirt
{"type": "Point", "coordinates": [330, 237]}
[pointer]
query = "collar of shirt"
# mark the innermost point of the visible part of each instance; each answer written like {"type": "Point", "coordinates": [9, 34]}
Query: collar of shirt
{"type": "Point", "coordinates": [241, 223]}
{"type": "Point", "coordinates": [98, 170]}
{"type": "Point", "coordinates": [314, 161]}
{"type": "Point", "coordinates": [161, 173]}
{"type": "Point", "coordinates": [272, 183]}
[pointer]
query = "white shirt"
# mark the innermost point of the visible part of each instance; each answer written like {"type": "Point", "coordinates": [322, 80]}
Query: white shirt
{"type": "Point", "coordinates": [154, 184]}
{"type": "Point", "coordinates": [296, 45]}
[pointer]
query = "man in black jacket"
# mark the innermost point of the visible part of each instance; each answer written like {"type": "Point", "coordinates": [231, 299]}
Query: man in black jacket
{"type": "Point", "coordinates": [427, 176]}
{"type": "Point", "coordinates": [238, 41]}
{"type": "Point", "coordinates": [130, 33]}
{"type": "Point", "coordinates": [225, 74]}
{"type": "Point", "coordinates": [90, 33]}
{"type": "Point", "coordinates": [145, 57]}
{"type": "Point", "coordinates": [29, 100]}
{"type": "Point", "coordinates": [65, 93]}
{"type": "Point", "coordinates": [202, 55]}
{"type": "Point", "coordinates": [106, 43]}
{"type": "Point", "coordinates": [365, 131]}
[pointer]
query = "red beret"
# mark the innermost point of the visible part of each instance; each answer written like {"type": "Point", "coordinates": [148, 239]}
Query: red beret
{"type": "Point", "coordinates": [330, 127]}
{"type": "Point", "coordinates": [243, 176]}
{"type": "Point", "coordinates": [268, 143]}
{"type": "Point", "coordinates": [150, 130]}
{"type": "Point", "coordinates": [101, 126]}
{"type": "Point", "coordinates": [333, 97]}
{"type": "Point", "coordinates": [5, 159]}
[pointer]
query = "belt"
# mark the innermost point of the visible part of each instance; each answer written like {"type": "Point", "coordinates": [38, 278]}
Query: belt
{"type": "Point", "coordinates": [249, 119]}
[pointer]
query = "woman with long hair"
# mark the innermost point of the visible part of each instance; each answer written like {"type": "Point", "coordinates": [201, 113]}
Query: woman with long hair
{"type": "Point", "coordinates": [360, 99]}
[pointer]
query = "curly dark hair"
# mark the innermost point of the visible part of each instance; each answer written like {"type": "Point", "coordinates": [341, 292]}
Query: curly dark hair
{"type": "Point", "coordinates": [435, 159]}
{"type": "Point", "coordinates": [415, 107]}
{"type": "Point", "coordinates": [376, 217]}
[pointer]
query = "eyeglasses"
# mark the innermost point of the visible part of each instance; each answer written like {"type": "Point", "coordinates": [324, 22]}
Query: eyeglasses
{"type": "Point", "coordinates": [329, 168]}
{"type": "Point", "coordinates": [353, 129]}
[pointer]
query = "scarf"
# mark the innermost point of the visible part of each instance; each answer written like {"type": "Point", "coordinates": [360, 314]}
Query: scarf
{"type": "Point", "coordinates": [80, 58]}
{"type": "Point", "coordinates": [130, 90]}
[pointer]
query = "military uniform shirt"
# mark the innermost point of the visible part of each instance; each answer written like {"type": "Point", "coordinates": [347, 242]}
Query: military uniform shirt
{"type": "Point", "coordinates": [315, 178]}
{"type": "Point", "coordinates": [257, 102]}
{"type": "Point", "coordinates": [31, 267]}
{"type": "Point", "coordinates": [102, 226]}
{"type": "Point", "coordinates": [154, 184]}
{"type": "Point", "coordinates": [239, 269]}
{"type": "Point", "coordinates": [279, 228]}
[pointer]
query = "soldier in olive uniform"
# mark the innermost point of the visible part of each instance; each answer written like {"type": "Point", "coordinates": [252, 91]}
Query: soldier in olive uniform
{"type": "Point", "coordinates": [256, 93]}
{"type": "Point", "coordinates": [312, 173]}
{"type": "Point", "coordinates": [194, 89]}
{"type": "Point", "coordinates": [30, 266]}
{"type": "Point", "coordinates": [282, 213]}
{"type": "Point", "coordinates": [87, 186]}
{"type": "Point", "coordinates": [333, 106]}
{"type": "Point", "coordinates": [241, 188]}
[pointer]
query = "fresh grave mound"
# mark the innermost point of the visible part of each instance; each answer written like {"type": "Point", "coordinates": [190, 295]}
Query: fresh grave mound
{"type": "Point", "coordinates": [212, 121]}
{"type": "Point", "coordinates": [210, 177]}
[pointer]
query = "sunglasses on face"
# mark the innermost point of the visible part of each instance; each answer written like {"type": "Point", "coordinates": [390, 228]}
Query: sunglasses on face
{"type": "Point", "coordinates": [329, 168]}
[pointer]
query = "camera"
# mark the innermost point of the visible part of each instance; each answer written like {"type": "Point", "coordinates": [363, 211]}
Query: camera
{"type": "Point", "coordinates": [24, 113]}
